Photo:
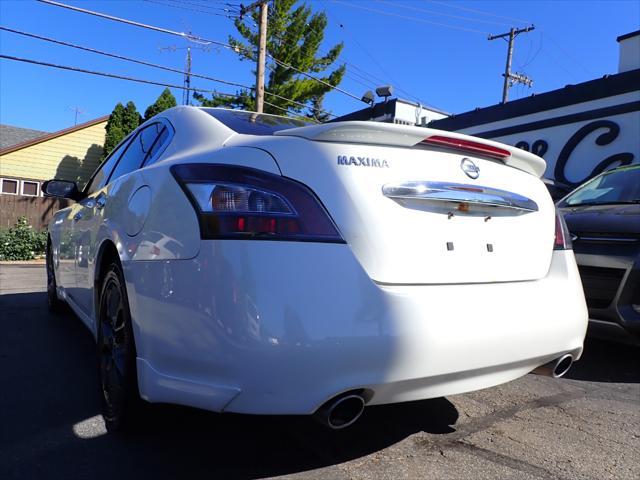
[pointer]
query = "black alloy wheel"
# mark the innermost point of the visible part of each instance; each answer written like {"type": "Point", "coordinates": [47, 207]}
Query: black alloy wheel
{"type": "Point", "coordinates": [53, 302]}
{"type": "Point", "coordinates": [117, 354]}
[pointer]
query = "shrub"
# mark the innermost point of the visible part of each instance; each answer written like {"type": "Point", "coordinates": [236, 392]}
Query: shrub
{"type": "Point", "coordinates": [22, 242]}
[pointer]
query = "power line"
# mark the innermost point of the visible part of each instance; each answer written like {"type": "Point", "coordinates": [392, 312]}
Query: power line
{"type": "Point", "coordinates": [348, 74]}
{"type": "Point", "coordinates": [123, 77]}
{"type": "Point", "coordinates": [481, 12]}
{"type": "Point", "coordinates": [191, 9]}
{"type": "Point", "coordinates": [424, 10]}
{"type": "Point", "coordinates": [193, 38]}
{"type": "Point", "coordinates": [190, 37]}
{"type": "Point", "coordinates": [384, 71]}
{"type": "Point", "coordinates": [319, 80]}
{"type": "Point", "coordinates": [111, 75]}
{"type": "Point", "coordinates": [119, 57]}
{"type": "Point", "coordinates": [368, 76]}
{"type": "Point", "coordinates": [572, 73]}
{"type": "Point", "coordinates": [148, 64]}
{"type": "Point", "coordinates": [530, 58]}
{"type": "Point", "coordinates": [404, 17]}
{"type": "Point", "coordinates": [570, 56]}
{"type": "Point", "coordinates": [208, 5]}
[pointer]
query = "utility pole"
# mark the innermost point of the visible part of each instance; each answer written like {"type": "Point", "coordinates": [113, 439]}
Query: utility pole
{"type": "Point", "coordinates": [187, 79]}
{"type": "Point", "coordinates": [262, 49]}
{"type": "Point", "coordinates": [187, 73]}
{"type": "Point", "coordinates": [511, 78]}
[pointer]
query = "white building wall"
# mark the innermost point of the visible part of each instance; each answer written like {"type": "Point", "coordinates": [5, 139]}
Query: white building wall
{"type": "Point", "coordinates": [576, 150]}
{"type": "Point", "coordinates": [629, 54]}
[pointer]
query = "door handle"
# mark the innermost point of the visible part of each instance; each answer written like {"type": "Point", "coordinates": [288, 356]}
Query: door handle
{"type": "Point", "coordinates": [101, 201]}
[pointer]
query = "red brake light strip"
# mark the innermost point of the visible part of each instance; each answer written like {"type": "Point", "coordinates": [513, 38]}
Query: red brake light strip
{"type": "Point", "coordinates": [468, 146]}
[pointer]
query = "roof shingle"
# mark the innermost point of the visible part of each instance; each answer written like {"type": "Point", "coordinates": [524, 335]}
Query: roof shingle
{"type": "Point", "coordinates": [10, 135]}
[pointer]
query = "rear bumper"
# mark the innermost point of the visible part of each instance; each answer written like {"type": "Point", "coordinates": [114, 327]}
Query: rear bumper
{"type": "Point", "coordinates": [279, 328]}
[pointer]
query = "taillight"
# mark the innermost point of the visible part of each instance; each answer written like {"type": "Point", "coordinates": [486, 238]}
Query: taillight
{"type": "Point", "coordinates": [244, 203]}
{"type": "Point", "coordinates": [563, 237]}
{"type": "Point", "coordinates": [470, 146]}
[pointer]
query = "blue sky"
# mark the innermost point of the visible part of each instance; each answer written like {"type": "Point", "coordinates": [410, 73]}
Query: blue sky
{"type": "Point", "coordinates": [433, 51]}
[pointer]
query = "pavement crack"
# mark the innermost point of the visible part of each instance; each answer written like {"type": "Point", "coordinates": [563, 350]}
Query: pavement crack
{"type": "Point", "coordinates": [507, 461]}
{"type": "Point", "coordinates": [501, 415]}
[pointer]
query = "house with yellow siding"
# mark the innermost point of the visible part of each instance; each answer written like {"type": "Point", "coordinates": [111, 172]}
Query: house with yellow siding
{"type": "Point", "coordinates": [69, 154]}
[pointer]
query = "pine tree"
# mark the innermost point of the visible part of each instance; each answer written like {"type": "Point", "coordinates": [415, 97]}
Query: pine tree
{"type": "Point", "coordinates": [294, 36]}
{"type": "Point", "coordinates": [131, 118]}
{"type": "Point", "coordinates": [164, 101]}
{"type": "Point", "coordinates": [122, 121]}
{"type": "Point", "coordinates": [115, 131]}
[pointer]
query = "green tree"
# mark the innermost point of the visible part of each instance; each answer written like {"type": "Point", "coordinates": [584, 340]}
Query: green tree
{"type": "Point", "coordinates": [131, 118]}
{"type": "Point", "coordinates": [122, 121]}
{"type": "Point", "coordinates": [115, 130]}
{"type": "Point", "coordinates": [164, 101]}
{"type": "Point", "coordinates": [294, 35]}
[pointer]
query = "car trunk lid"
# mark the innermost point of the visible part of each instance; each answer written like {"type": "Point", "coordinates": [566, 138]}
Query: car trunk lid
{"type": "Point", "coordinates": [454, 210]}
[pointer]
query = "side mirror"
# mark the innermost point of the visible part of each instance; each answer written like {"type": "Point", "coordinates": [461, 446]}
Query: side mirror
{"type": "Point", "coordinates": [61, 189]}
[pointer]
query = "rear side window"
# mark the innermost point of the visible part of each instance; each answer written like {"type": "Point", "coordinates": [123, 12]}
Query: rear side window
{"type": "Point", "coordinates": [161, 142]}
{"type": "Point", "coordinates": [99, 178]}
{"type": "Point", "coordinates": [148, 136]}
{"type": "Point", "coordinates": [137, 151]}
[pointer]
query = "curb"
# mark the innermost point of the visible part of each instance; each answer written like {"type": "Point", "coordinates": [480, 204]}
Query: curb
{"type": "Point", "coordinates": [23, 262]}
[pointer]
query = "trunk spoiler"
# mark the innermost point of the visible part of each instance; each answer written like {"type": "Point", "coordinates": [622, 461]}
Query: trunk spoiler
{"type": "Point", "coordinates": [388, 134]}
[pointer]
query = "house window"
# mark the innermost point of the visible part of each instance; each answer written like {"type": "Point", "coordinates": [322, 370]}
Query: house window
{"type": "Point", "coordinates": [30, 188]}
{"type": "Point", "coordinates": [10, 186]}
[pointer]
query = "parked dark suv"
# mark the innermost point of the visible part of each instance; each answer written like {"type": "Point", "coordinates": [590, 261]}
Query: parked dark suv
{"type": "Point", "coordinates": [603, 216]}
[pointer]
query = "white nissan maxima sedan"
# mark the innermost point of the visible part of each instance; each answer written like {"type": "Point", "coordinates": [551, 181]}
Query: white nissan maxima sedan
{"type": "Point", "coordinates": [239, 262]}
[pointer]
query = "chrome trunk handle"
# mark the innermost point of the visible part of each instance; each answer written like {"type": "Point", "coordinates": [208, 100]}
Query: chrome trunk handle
{"type": "Point", "coordinates": [459, 193]}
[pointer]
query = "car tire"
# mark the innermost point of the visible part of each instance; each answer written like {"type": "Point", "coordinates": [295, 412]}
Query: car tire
{"type": "Point", "coordinates": [53, 302]}
{"type": "Point", "coordinates": [121, 402]}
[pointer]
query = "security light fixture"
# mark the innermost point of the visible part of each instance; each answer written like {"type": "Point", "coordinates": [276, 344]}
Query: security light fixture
{"type": "Point", "coordinates": [385, 91]}
{"type": "Point", "coordinates": [368, 97]}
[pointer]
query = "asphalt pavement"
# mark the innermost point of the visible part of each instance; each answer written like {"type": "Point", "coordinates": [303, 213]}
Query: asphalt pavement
{"type": "Point", "coordinates": [584, 426]}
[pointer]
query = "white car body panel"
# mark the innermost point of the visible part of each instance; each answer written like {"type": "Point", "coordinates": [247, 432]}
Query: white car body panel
{"type": "Point", "coordinates": [280, 327]}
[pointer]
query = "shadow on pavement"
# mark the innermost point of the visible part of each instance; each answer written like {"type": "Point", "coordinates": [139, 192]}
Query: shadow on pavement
{"type": "Point", "coordinates": [49, 385]}
{"type": "Point", "coordinates": [604, 361]}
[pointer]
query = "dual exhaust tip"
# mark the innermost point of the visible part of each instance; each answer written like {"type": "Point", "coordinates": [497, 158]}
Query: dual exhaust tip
{"type": "Point", "coordinates": [555, 368]}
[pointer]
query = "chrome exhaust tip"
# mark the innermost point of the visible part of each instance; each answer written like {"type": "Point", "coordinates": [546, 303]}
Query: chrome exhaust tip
{"type": "Point", "coordinates": [555, 368]}
{"type": "Point", "coordinates": [342, 411]}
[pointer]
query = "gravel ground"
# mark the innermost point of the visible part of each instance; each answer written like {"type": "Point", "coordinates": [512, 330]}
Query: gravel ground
{"type": "Point", "coordinates": [584, 426]}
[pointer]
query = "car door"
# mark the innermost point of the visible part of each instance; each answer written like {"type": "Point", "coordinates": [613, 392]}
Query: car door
{"type": "Point", "coordinates": [65, 253]}
{"type": "Point", "coordinates": [81, 219]}
{"type": "Point", "coordinates": [96, 209]}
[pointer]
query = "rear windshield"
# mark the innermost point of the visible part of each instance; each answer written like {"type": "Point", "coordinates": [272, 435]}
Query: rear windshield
{"type": "Point", "coordinates": [253, 123]}
{"type": "Point", "coordinates": [615, 187]}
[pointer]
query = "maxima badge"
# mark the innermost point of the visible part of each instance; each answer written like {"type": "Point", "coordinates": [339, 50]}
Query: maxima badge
{"type": "Point", "coordinates": [362, 161]}
{"type": "Point", "coordinates": [470, 168]}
